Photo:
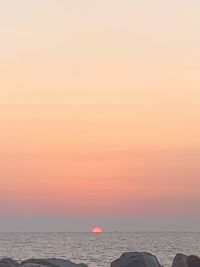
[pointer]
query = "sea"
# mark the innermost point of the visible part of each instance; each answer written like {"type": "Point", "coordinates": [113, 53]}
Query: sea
{"type": "Point", "coordinates": [97, 250]}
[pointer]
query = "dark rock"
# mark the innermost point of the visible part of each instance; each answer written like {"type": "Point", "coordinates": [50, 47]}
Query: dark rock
{"type": "Point", "coordinates": [136, 259]}
{"type": "Point", "coordinates": [193, 261]}
{"type": "Point", "coordinates": [7, 262]}
{"type": "Point", "coordinates": [52, 262]}
{"type": "Point", "coordinates": [180, 260]}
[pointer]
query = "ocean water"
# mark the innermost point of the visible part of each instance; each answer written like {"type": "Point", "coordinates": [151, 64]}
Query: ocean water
{"type": "Point", "coordinates": [97, 250]}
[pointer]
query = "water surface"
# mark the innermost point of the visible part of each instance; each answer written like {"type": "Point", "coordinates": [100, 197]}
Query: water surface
{"type": "Point", "coordinates": [97, 249]}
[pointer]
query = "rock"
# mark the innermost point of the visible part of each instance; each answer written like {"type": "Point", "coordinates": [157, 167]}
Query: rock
{"type": "Point", "coordinates": [136, 259]}
{"type": "Point", "coordinates": [7, 262]}
{"type": "Point", "coordinates": [180, 260]}
{"type": "Point", "coordinates": [52, 262]}
{"type": "Point", "coordinates": [193, 261]}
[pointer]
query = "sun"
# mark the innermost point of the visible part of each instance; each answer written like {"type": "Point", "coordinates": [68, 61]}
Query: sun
{"type": "Point", "coordinates": [97, 230]}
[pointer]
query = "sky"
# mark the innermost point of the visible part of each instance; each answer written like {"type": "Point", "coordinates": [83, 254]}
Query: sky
{"type": "Point", "coordinates": [100, 115]}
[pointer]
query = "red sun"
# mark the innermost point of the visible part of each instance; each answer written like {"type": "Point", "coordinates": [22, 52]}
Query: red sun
{"type": "Point", "coordinates": [97, 230]}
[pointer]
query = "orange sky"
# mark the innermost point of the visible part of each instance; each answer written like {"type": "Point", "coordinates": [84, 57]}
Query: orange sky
{"type": "Point", "coordinates": [99, 107]}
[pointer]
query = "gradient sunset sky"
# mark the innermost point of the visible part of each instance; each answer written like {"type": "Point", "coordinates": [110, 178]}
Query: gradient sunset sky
{"type": "Point", "coordinates": [100, 115]}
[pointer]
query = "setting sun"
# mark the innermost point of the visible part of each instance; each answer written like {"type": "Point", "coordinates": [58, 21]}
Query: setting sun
{"type": "Point", "coordinates": [97, 230]}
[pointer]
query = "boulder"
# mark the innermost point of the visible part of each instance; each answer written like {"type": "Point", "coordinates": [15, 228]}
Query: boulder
{"type": "Point", "coordinates": [7, 262]}
{"type": "Point", "coordinates": [136, 259]}
{"type": "Point", "coordinates": [180, 260]}
{"type": "Point", "coordinates": [193, 261]}
{"type": "Point", "coordinates": [52, 262]}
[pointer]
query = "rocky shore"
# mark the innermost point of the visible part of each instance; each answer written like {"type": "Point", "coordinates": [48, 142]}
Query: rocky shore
{"type": "Point", "coordinates": [128, 259]}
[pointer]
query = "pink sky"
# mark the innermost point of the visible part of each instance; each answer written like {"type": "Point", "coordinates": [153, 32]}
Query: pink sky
{"type": "Point", "coordinates": [99, 108]}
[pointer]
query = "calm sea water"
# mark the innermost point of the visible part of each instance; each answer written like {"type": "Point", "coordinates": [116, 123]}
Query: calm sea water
{"type": "Point", "coordinates": [97, 250]}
